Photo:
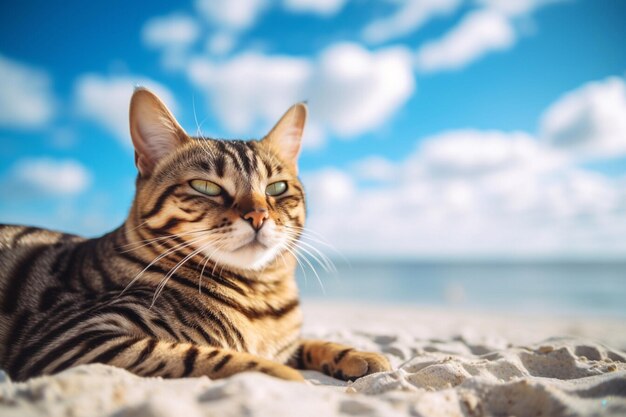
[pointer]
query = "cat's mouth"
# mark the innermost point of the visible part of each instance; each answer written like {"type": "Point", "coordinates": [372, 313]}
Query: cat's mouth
{"type": "Point", "coordinates": [253, 244]}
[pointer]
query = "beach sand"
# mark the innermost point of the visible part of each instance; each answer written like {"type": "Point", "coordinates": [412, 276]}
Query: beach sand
{"type": "Point", "coordinates": [446, 363]}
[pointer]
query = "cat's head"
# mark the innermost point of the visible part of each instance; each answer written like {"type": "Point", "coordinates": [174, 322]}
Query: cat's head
{"type": "Point", "coordinates": [237, 203]}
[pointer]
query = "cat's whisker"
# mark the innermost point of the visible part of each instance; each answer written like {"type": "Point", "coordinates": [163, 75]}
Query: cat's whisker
{"type": "Point", "coordinates": [313, 268]}
{"type": "Point", "coordinates": [195, 116]}
{"type": "Point", "coordinates": [326, 262]}
{"type": "Point", "coordinates": [282, 257]}
{"type": "Point", "coordinates": [160, 240]}
{"type": "Point", "coordinates": [204, 262]}
{"type": "Point", "coordinates": [208, 257]}
{"type": "Point", "coordinates": [295, 256]}
{"type": "Point", "coordinates": [166, 253]}
{"type": "Point", "coordinates": [306, 234]}
{"type": "Point", "coordinates": [172, 271]}
{"type": "Point", "coordinates": [147, 242]}
{"type": "Point", "coordinates": [305, 259]}
{"type": "Point", "coordinates": [199, 133]}
{"type": "Point", "coordinates": [293, 239]}
{"type": "Point", "coordinates": [137, 227]}
{"type": "Point", "coordinates": [221, 247]}
{"type": "Point", "coordinates": [206, 147]}
{"type": "Point", "coordinates": [312, 235]}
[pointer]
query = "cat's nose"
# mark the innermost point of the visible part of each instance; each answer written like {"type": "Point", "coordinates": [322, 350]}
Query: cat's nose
{"type": "Point", "coordinates": [256, 217]}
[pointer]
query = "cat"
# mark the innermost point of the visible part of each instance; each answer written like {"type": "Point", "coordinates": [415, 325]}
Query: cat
{"type": "Point", "coordinates": [199, 279]}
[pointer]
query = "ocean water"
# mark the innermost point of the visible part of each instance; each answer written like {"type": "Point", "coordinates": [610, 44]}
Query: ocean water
{"type": "Point", "coordinates": [581, 289]}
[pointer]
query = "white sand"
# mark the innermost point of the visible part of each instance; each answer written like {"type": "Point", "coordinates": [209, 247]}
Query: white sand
{"type": "Point", "coordinates": [447, 364]}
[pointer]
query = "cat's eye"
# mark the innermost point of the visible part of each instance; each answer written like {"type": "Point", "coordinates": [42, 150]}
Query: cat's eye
{"type": "Point", "coordinates": [276, 188]}
{"type": "Point", "coordinates": [206, 187]}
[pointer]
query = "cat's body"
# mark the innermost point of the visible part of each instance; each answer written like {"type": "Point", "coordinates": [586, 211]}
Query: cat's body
{"type": "Point", "coordinates": [67, 291]}
{"type": "Point", "coordinates": [198, 281]}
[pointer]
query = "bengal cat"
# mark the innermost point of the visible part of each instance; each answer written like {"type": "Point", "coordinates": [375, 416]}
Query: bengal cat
{"type": "Point", "coordinates": [199, 280]}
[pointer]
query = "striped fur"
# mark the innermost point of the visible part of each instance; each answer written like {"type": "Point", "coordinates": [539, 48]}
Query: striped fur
{"type": "Point", "coordinates": [172, 292]}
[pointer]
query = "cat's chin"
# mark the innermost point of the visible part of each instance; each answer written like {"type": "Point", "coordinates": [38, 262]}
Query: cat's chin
{"type": "Point", "coordinates": [251, 256]}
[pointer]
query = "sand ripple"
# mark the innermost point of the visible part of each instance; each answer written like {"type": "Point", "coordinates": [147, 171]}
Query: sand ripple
{"type": "Point", "coordinates": [467, 374]}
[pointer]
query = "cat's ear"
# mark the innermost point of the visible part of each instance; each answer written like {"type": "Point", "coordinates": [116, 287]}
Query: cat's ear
{"type": "Point", "coordinates": [153, 129]}
{"type": "Point", "coordinates": [286, 136]}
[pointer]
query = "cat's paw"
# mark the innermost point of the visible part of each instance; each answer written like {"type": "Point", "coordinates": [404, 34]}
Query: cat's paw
{"type": "Point", "coordinates": [352, 364]}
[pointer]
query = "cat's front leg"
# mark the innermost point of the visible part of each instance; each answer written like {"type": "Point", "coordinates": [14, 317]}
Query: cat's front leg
{"type": "Point", "coordinates": [339, 361]}
{"type": "Point", "coordinates": [152, 357]}
{"type": "Point", "coordinates": [185, 359]}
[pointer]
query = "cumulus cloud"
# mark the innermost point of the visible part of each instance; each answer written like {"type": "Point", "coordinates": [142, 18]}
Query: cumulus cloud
{"type": "Point", "coordinates": [375, 168]}
{"type": "Point", "coordinates": [510, 196]}
{"type": "Point", "coordinates": [487, 193]}
{"type": "Point", "coordinates": [221, 43]}
{"type": "Point", "coordinates": [479, 33]}
{"type": "Point", "coordinates": [475, 152]}
{"type": "Point", "coordinates": [173, 35]}
{"type": "Point", "coordinates": [227, 19]}
{"type": "Point", "coordinates": [251, 87]}
{"type": "Point", "coordinates": [40, 177]}
{"type": "Point", "coordinates": [105, 100]}
{"type": "Point", "coordinates": [26, 98]}
{"type": "Point", "coordinates": [354, 90]}
{"type": "Point", "coordinates": [409, 17]}
{"type": "Point", "coordinates": [322, 7]}
{"type": "Point", "coordinates": [589, 122]}
{"type": "Point", "coordinates": [173, 31]}
{"type": "Point", "coordinates": [350, 89]}
{"type": "Point", "coordinates": [232, 14]}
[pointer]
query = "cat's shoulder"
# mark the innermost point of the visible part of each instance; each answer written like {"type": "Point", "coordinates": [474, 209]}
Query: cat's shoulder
{"type": "Point", "coordinates": [14, 236]}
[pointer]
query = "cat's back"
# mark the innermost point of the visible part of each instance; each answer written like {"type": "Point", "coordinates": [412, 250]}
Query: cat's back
{"type": "Point", "coordinates": [16, 236]}
{"type": "Point", "coordinates": [26, 247]}
{"type": "Point", "coordinates": [15, 240]}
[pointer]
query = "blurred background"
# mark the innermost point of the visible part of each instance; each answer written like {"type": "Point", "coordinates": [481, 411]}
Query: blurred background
{"type": "Point", "coordinates": [460, 153]}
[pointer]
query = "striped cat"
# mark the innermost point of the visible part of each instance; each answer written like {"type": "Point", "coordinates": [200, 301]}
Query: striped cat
{"type": "Point", "coordinates": [199, 280]}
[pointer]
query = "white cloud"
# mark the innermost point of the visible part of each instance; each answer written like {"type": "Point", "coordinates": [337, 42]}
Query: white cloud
{"type": "Point", "coordinates": [478, 33]}
{"type": "Point", "coordinates": [336, 187]}
{"type": "Point", "coordinates": [251, 87]}
{"type": "Point", "coordinates": [322, 7]}
{"type": "Point", "coordinates": [32, 177]}
{"type": "Point", "coordinates": [173, 31]}
{"type": "Point", "coordinates": [589, 122]}
{"type": "Point", "coordinates": [408, 18]}
{"type": "Point", "coordinates": [221, 43]}
{"type": "Point", "coordinates": [26, 98]}
{"type": "Point", "coordinates": [350, 90]}
{"type": "Point", "coordinates": [173, 35]}
{"type": "Point", "coordinates": [231, 14]}
{"type": "Point", "coordinates": [375, 168]}
{"type": "Point", "coordinates": [227, 19]}
{"type": "Point", "coordinates": [105, 100]}
{"type": "Point", "coordinates": [475, 152]}
{"type": "Point", "coordinates": [512, 196]}
{"type": "Point", "coordinates": [354, 90]}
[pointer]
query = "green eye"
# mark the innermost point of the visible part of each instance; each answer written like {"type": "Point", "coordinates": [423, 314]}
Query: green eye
{"type": "Point", "coordinates": [206, 187]}
{"type": "Point", "coordinates": [276, 188]}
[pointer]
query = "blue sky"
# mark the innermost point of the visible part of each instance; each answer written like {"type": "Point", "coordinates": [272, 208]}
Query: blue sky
{"type": "Point", "coordinates": [444, 128]}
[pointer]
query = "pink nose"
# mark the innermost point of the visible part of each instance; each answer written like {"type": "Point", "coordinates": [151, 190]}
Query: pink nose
{"type": "Point", "coordinates": [256, 218]}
